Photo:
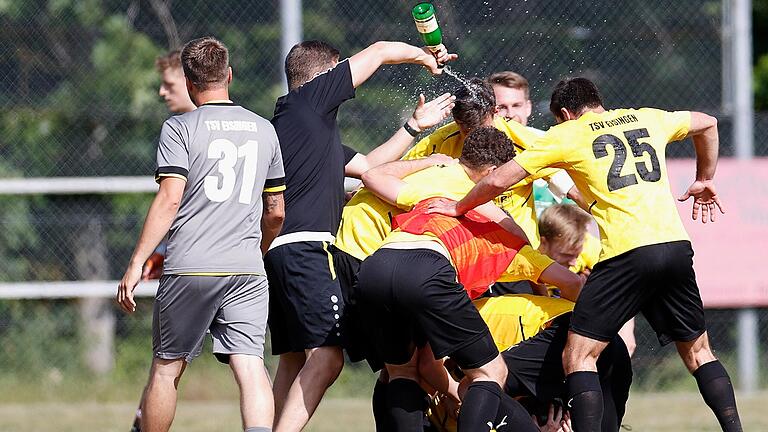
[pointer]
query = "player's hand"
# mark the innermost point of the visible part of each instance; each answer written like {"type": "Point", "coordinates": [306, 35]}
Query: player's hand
{"type": "Point", "coordinates": [443, 206]}
{"type": "Point", "coordinates": [704, 199]}
{"type": "Point", "coordinates": [434, 60]}
{"type": "Point", "coordinates": [125, 288]}
{"type": "Point", "coordinates": [441, 159]}
{"type": "Point", "coordinates": [555, 421]}
{"type": "Point", "coordinates": [431, 113]}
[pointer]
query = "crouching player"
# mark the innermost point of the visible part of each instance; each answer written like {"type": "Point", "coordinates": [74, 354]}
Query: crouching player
{"type": "Point", "coordinates": [408, 289]}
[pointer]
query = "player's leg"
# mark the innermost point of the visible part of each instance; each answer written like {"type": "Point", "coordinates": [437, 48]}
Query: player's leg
{"type": "Point", "coordinates": [256, 403]}
{"type": "Point", "coordinates": [712, 379]}
{"type": "Point", "coordinates": [678, 315]}
{"type": "Point", "coordinates": [288, 367]}
{"type": "Point", "coordinates": [321, 369]}
{"type": "Point", "coordinates": [181, 315]}
{"type": "Point", "coordinates": [627, 333]}
{"type": "Point", "coordinates": [306, 311]}
{"type": "Point", "coordinates": [238, 333]}
{"type": "Point", "coordinates": [406, 400]}
{"type": "Point", "coordinates": [615, 291]}
{"type": "Point", "coordinates": [160, 397]}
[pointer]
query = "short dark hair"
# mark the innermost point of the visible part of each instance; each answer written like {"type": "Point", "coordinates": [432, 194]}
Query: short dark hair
{"type": "Point", "coordinates": [205, 62]}
{"type": "Point", "coordinates": [475, 102]}
{"type": "Point", "coordinates": [575, 95]}
{"type": "Point", "coordinates": [486, 146]}
{"type": "Point", "coordinates": [307, 59]}
{"type": "Point", "coordinates": [170, 60]}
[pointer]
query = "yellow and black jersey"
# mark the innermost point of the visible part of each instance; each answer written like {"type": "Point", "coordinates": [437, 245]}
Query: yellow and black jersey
{"type": "Point", "coordinates": [616, 159]}
{"type": "Point", "coordinates": [518, 201]}
{"type": "Point", "coordinates": [452, 182]}
{"type": "Point", "coordinates": [513, 318]}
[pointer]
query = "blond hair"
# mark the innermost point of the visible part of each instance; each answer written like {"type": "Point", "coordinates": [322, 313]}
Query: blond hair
{"type": "Point", "coordinates": [170, 60]}
{"type": "Point", "coordinates": [512, 80]}
{"type": "Point", "coordinates": [564, 223]}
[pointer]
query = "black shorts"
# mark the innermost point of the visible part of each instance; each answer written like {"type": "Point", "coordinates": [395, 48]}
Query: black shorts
{"type": "Point", "coordinates": [305, 302]}
{"type": "Point", "coordinates": [357, 337]}
{"type": "Point", "coordinates": [536, 367]}
{"type": "Point", "coordinates": [657, 280]}
{"type": "Point", "coordinates": [504, 288]}
{"type": "Point", "coordinates": [411, 297]}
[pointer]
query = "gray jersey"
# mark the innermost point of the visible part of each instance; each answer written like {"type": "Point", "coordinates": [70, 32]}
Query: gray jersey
{"type": "Point", "coordinates": [229, 156]}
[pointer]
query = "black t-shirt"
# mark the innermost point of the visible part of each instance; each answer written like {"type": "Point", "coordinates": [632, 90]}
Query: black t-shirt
{"type": "Point", "coordinates": [313, 156]}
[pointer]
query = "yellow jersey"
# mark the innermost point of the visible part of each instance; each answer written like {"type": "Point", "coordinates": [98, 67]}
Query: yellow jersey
{"type": "Point", "coordinates": [616, 159]}
{"type": "Point", "coordinates": [451, 181]}
{"type": "Point", "coordinates": [518, 201]}
{"type": "Point", "coordinates": [589, 256]}
{"type": "Point", "coordinates": [513, 318]}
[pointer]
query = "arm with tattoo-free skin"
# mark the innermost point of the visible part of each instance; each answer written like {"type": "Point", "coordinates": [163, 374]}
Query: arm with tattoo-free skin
{"type": "Point", "coordinates": [491, 186]}
{"type": "Point", "coordinates": [160, 216]}
{"type": "Point", "coordinates": [703, 131]}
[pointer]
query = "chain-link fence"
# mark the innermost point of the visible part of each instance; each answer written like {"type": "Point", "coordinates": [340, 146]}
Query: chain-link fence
{"type": "Point", "coordinates": [78, 87]}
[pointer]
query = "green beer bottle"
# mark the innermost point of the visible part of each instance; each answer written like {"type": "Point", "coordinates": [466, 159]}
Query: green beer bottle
{"type": "Point", "coordinates": [426, 24]}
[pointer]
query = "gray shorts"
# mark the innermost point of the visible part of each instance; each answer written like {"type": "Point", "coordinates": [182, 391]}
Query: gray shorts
{"type": "Point", "coordinates": [234, 308]}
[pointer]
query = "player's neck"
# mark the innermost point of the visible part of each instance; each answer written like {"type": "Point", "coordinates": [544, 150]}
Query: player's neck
{"type": "Point", "coordinates": [212, 95]}
{"type": "Point", "coordinates": [597, 110]}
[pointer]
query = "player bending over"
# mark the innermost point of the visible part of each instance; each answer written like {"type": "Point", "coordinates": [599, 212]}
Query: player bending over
{"type": "Point", "coordinates": [408, 289]}
{"type": "Point", "coordinates": [616, 158]}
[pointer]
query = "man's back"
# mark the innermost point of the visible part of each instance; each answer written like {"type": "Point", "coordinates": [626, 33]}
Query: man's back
{"type": "Point", "coordinates": [616, 158]}
{"type": "Point", "coordinates": [305, 121]}
{"type": "Point", "coordinates": [230, 156]}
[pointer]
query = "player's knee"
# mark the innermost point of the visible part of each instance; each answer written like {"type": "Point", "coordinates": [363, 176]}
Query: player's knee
{"type": "Point", "coordinates": [495, 370]}
{"type": "Point", "coordinates": [696, 352]}
{"type": "Point", "coordinates": [329, 360]}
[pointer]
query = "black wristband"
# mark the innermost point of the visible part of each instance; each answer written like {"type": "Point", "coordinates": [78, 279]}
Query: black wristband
{"type": "Point", "coordinates": [411, 131]}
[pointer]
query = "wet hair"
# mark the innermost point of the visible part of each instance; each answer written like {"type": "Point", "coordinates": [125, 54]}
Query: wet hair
{"type": "Point", "coordinates": [307, 59]}
{"type": "Point", "coordinates": [511, 80]}
{"type": "Point", "coordinates": [475, 103]}
{"type": "Point", "coordinates": [170, 60]}
{"type": "Point", "coordinates": [563, 223]}
{"type": "Point", "coordinates": [205, 62]}
{"type": "Point", "coordinates": [575, 95]}
{"type": "Point", "coordinates": [486, 146]}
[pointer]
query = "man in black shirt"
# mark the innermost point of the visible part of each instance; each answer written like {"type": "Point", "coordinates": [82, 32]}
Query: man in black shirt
{"type": "Point", "coordinates": [306, 304]}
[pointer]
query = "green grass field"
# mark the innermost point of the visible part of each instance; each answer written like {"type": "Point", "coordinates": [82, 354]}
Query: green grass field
{"type": "Point", "coordinates": [655, 412]}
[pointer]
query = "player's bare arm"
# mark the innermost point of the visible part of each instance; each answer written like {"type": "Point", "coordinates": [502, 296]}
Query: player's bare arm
{"type": "Point", "coordinates": [367, 61]}
{"type": "Point", "coordinates": [426, 115]}
{"type": "Point", "coordinates": [495, 214]}
{"type": "Point", "coordinates": [493, 185]}
{"type": "Point", "coordinates": [272, 218]}
{"type": "Point", "coordinates": [386, 180]}
{"type": "Point", "coordinates": [559, 276]}
{"type": "Point", "coordinates": [703, 131]}
{"type": "Point", "coordinates": [160, 216]}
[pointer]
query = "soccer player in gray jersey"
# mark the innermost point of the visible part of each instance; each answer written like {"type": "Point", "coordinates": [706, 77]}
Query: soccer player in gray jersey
{"type": "Point", "coordinates": [219, 168]}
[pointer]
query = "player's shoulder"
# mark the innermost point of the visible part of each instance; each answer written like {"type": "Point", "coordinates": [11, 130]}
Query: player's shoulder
{"type": "Point", "coordinates": [446, 131]}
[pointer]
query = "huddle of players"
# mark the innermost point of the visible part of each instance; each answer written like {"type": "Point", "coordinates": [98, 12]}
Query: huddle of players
{"type": "Point", "coordinates": [410, 288]}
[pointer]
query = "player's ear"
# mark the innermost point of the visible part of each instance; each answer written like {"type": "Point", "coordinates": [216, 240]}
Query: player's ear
{"type": "Point", "coordinates": [229, 75]}
{"type": "Point", "coordinates": [190, 89]}
{"type": "Point", "coordinates": [564, 115]}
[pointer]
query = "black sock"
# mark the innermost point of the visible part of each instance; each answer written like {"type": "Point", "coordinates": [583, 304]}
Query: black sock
{"type": "Point", "coordinates": [585, 400]}
{"type": "Point", "coordinates": [512, 416]}
{"type": "Point", "coordinates": [716, 389]}
{"type": "Point", "coordinates": [480, 406]}
{"type": "Point", "coordinates": [486, 407]}
{"type": "Point", "coordinates": [615, 370]}
{"type": "Point", "coordinates": [379, 405]}
{"type": "Point", "coordinates": [406, 402]}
